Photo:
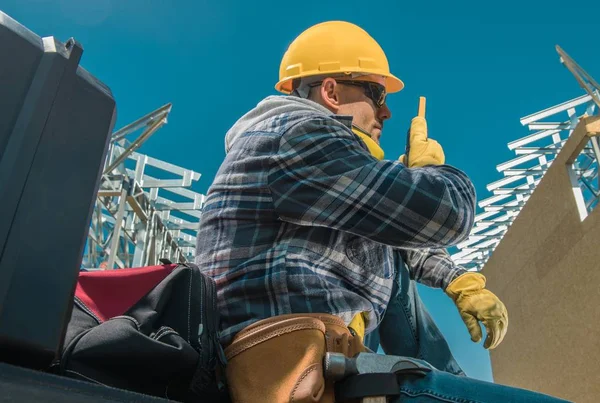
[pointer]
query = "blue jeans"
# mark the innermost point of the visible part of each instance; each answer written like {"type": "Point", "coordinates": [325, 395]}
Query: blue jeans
{"type": "Point", "coordinates": [439, 386]}
{"type": "Point", "coordinates": [408, 330]}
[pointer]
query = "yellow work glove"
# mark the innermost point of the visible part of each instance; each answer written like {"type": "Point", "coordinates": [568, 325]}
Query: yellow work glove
{"type": "Point", "coordinates": [423, 151]}
{"type": "Point", "coordinates": [475, 304]}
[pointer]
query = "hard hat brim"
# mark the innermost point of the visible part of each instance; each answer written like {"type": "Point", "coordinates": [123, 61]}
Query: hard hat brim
{"type": "Point", "coordinates": [393, 84]}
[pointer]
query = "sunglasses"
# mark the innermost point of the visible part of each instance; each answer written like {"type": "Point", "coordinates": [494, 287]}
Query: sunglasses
{"type": "Point", "coordinates": [374, 91]}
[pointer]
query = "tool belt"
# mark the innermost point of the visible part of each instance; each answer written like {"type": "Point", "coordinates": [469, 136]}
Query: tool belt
{"type": "Point", "coordinates": [280, 359]}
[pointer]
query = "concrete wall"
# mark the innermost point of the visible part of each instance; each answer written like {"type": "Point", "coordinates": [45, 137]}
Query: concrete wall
{"type": "Point", "coordinates": [547, 271]}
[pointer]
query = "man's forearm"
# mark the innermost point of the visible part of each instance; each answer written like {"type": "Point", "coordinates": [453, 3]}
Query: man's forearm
{"type": "Point", "coordinates": [431, 267]}
{"type": "Point", "coordinates": [321, 176]}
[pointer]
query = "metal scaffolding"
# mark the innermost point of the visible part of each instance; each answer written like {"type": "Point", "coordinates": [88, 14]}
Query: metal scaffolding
{"type": "Point", "coordinates": [534, 155]}
{"type": "Point", "coordinates": [585, 180]}
{"type": "Point", "coordinates": [139, 219]}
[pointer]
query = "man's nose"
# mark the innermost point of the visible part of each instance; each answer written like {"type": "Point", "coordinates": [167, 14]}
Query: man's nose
{"type": "Point", "coordinates": [384, 113]}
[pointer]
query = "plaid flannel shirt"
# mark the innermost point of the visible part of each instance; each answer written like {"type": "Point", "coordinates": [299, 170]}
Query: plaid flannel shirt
{"type": "Point", "coordinates": [301, 218]}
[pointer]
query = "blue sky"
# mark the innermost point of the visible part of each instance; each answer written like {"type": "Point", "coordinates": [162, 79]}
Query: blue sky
{"type": "Point", "coordinates": [481, 65]}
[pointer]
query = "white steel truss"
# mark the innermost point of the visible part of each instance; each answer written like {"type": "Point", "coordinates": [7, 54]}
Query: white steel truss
{"type": "Point", "coordinates": [585, 180]}
{"type": "Point", "coordinates": [534, 154]}
{"type": "Point", "coordinates": [145, 210]}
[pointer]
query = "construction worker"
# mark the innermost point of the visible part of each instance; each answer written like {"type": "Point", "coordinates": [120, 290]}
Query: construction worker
{"type": "Point", "coordinates": [302, 224]}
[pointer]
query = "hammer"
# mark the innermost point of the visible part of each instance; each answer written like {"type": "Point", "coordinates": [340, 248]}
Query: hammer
{"type": "Point", "coordinates": [337, 367]}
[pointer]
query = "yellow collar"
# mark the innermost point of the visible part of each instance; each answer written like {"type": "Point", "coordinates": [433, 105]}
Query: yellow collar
{"type": "Point", "coordinates": [374, 148]}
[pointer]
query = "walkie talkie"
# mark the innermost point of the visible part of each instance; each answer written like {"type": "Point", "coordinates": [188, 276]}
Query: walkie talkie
{"type": "Point", "coordinates": [420, 113]}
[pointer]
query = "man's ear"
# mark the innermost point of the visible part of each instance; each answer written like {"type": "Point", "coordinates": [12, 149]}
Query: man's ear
{"type": "Point", "coordinates": [329, 92]}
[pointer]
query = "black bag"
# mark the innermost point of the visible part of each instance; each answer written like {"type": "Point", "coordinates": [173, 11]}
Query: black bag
{"type": "Point", "coordinates": [151, 330]}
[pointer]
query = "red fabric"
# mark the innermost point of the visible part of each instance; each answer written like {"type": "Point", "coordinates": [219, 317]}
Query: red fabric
{"type": "Point", "coordinates": [111, 293]}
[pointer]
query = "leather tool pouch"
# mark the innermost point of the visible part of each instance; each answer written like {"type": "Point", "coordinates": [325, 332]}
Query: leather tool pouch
{"type": "Point", "coordinates": [280, 359]}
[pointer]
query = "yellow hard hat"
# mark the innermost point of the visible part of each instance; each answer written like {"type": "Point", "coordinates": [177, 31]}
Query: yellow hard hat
{"type": "Point", "coordinates": [334, 47]}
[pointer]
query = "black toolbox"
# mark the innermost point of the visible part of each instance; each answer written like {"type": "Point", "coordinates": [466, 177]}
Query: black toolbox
{"type": "Point", "coordinates": [55, 125]}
